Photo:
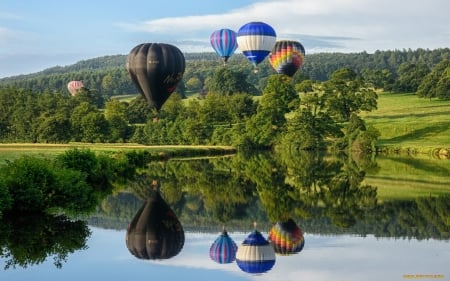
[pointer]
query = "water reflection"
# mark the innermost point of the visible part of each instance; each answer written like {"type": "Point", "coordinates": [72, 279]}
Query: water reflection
{"type": "Point", "coordinates": [155, 231]}
{"type": "Point", "coordinates": [28, 239]}
{"type": "Point", "coordinates": [319, 199]}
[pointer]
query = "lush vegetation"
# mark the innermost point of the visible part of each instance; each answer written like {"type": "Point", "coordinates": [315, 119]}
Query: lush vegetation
{"type": "Point", "coordinates": [234, 106]}
{"type": "Point", "coordinates": [72, 183]}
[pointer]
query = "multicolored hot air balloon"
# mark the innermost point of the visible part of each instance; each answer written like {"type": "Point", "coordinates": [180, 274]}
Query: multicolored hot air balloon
{"type": "Point", "coordinates": [74, 87]}
{"type": "Point", "coordinates": [224, 43]}
{"type": "Point", "coordinates": [223, 250]}
{"type": "Point", "coordinates": [255, 254]}
{"type": "Point", "coordinates": [287, 57]}
{"type": "Point", "coordinates": [256, 40]}
{"type": "Point", "coordinates": [155, 231]}
{"type": "Point", "coordinates": [286, 238]}
{"type": "Point", "coordinates": [156, 69]}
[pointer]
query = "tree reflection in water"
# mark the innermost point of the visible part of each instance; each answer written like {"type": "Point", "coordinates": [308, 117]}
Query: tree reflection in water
{"type": "Point", "coordinates": [29, 239]}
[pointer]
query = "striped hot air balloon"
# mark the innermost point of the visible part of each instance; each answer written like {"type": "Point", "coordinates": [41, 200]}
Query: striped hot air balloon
{"type": "Point", "coordinates": [255, 254]}
{"type": "Point", "coordinates": [286, 238]}
{"type": "Point", "coordinates": [287, 57]}
{"type": "Point", "coordinates": [74, 86]}
{"type": "Point", "coordinates": [223, 250]}
{"type": "Point", "coordinates": [223, 41]}
{"type": "Point", "coordinates": [256, 40]}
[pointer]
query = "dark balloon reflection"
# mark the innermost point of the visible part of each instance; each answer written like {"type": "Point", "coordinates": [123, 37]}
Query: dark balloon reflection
{"type": "Point", "coordinates": [155, 231]}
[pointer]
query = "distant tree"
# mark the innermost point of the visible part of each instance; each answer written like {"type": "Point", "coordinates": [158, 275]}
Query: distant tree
{"type": "Point", "coordinates": [227, 82]}
{"type": "Point", "coordinates": [410, 76]}
{"type": "Point", "coordinates": [435, 84]}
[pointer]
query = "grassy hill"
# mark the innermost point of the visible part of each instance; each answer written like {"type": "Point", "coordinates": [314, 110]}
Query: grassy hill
{"type": "Point", "coordinates": [409, 123]}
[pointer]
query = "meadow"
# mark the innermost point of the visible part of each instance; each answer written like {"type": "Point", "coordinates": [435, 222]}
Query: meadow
{"type": "Point", "coordinates": [408, 123]}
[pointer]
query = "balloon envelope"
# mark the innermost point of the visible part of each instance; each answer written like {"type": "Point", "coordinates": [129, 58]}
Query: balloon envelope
{"type": "Point", "coordinates": [287, 57]}
{"type": "Point", "coordinates": [256, 40]}
{"type": "Point", "coordinates": [156, 69]}
{"type": "Point", "coordinates": [286, 238]}
{"type": "Point", "coordinates": [255, 254]}
{"type": "Point", "coordinates": [74, 86]}
{"type": "Point", "coordinates": [155, 232]}
{"type": "Point", "coordinates": [224, 42]}
{"type": "Point", "coordinates": [223, 250]}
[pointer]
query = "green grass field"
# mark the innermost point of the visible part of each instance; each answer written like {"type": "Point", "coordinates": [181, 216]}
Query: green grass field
{"type": "Point", "coordinates": [408, 122]}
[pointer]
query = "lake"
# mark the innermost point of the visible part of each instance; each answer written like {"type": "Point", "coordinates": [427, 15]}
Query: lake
{"type": "Point", "coordinates": [371, 218]}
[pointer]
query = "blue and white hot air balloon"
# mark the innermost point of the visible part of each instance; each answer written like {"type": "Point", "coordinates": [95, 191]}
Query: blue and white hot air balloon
{"type": "Point", "coordinates": [223, 41]}
{"type": "Point", "coordinates": [255, 254]}
{"type": "Point", "coordinates": [223, 250]}
{"type": "Point", "coordinates": [256, 40]}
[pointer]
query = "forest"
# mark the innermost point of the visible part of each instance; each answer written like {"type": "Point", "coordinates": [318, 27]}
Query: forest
{"type": "Point", "coordinates": [216, 104]}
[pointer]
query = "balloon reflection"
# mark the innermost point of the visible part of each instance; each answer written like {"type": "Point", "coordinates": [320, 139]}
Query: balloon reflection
{"type": "Point", "coordinates": [155, 231]}
{"type": "Point", "coordinates": [255, 254]}
{"type": "Point", "coordinates": [223, 250]}
{"type": "Point", "coordinates": [286, 238]}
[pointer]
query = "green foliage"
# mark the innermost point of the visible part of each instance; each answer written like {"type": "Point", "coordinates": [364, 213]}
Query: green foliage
{"type": "Point", "coordinates": [436, 84]}
{"type": "Point", "coordinates": [29, 239]}
{"type": "Point", "coordinates": [227, 82]}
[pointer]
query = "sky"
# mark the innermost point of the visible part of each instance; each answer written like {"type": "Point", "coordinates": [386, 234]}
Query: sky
{"type": "Point", "coordinates": [35, 35]}
{"type": "Point", "coordinates": [324, 258]}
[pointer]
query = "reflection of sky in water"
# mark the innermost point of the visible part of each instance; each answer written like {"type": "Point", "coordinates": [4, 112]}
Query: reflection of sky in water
{"type": "Point", "coordinates": [343, 257]}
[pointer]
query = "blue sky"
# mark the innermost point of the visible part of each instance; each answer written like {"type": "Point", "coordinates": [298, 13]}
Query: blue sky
{"type": "Point", "coordinates": [35, 35]}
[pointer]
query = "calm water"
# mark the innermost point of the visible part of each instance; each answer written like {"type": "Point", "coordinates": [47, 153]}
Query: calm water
{"type": "Point", "coordinates": [352, 229]}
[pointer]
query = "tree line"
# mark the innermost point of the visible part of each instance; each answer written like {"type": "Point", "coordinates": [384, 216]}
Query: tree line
{"type": "Point", "coordinates": [235, 107]}
{"type": "Point", "coordinates": [392, 70]}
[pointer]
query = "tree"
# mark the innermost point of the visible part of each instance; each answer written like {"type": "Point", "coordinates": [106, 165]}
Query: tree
{"type": "Point", "coordinates": [269, 120]}
{"type": "Point", "coordinates": [115, 115]}
{"type": "Point", "coordinates": [346, 93]}
{"type": "Point", "coordinates": [227, 82]}
{"type": "Point", "coordinates": [436, 82]}
{"type": "Point", "coordinates": [54, 128]}
{"type": "Point", "coordinates": [410, 76]}
{"type": "Point", "coordinates": [94, 127]}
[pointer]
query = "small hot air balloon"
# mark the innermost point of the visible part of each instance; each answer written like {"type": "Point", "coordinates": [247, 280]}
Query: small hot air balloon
{"type": "Point", "coordinates": [223, 250]}
{"type": "Point", "coordinates": [287, 57]}
{"type": "Point", "coordinates": [74, 87]}
{"type": "Point", "coordinates": [156, 69]}
{"type": "Point", "coordinates": [223, 41]}
{"type": "Point", "coordinates": [256, 40]}
{"type": "Point", "coordinates": [286, 238]}
{"type": "Point", "coordinates": [155, 231]}
{"type": "Point", "coordinates": [255, 254]}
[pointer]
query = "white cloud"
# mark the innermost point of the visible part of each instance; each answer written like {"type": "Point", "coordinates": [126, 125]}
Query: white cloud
{"type": "Point", "coordinates": [378, 24]}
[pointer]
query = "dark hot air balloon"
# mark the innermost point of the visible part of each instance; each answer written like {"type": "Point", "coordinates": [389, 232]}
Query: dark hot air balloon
{"type": "Point", "coordinates": [286, 238]}
{"type": "Point", "coordinates": [156, 69]}
{"type": "Point", "coordinates": [74, 87]}
{"type": "Point", "coordinates": [255, 254]}
{"type": "Point", "coordinates": [224, 42]}
{"type": "Point", "coordinates": [155, 231]}
{"type": "Point", "coordinates": [256, 40]}
{"type": "Point", "coordinates": [223, 250]}
{"type": "Point", "coordinates": [287, 57]}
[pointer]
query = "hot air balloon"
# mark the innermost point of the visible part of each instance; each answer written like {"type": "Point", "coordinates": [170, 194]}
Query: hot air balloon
{"type": "Point", "coordinates": [74, 87]}
{"type": "Point", "coordinates": [156, 69]}
{"type": "Point", "coordinates": [256, 40]}
{"type": "Point", "coordinates": [287, 57]}
{"type": "Point", "coordinates": [155, 231]}
{"type": "Point", "coordinates": [286, 238]}
{"type": "Point", "coordinates": [223, 250]}
{"type": "Point", "coordinates": [255, 254]}
{"type": "Point", "coordinates": [224, 43]}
